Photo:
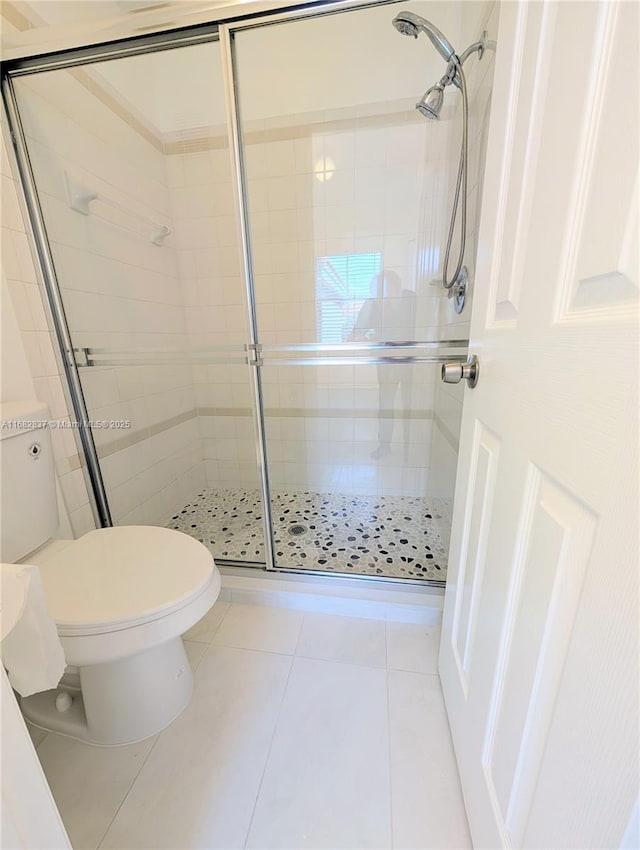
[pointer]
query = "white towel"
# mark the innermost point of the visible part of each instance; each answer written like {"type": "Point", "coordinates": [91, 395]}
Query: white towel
{"type": "Point", "coordinates": [31, 652]}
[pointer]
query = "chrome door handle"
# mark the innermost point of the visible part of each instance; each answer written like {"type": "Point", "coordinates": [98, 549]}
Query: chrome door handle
{"type": "Point", "coordinates": [453, 373]}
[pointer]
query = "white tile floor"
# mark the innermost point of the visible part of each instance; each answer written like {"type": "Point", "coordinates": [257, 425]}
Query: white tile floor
{"type": "Point", "coordinates": [304, 731]}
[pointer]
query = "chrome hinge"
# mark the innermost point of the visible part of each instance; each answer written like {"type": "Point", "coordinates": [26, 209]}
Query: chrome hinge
{"type": "Point", "coordinates": [255, 354]}
{"type": "Point", "coordinates": [81, 357]}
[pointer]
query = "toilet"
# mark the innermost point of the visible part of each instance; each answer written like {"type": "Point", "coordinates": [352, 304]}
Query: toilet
{"type": "Point", "coordinates": [121, 599]}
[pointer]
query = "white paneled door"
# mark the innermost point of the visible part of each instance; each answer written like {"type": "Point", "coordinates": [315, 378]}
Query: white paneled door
{"type": "Point", "coordinates": [539, 658]}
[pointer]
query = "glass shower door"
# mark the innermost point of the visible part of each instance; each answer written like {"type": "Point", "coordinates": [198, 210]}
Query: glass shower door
{"type": "Point", "coordinates": [348, 470]}
{"type": "Point", "coordinates": [132, 167]}
{"type": "Point", "coordinates": [343, 260]}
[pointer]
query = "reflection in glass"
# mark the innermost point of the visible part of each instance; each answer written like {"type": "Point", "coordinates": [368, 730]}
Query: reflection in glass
{"type": "Point", "coordinates": [389, 317]}
{"type": "Point", "coordinates": [343, 286]}
{"type": "Point", "coordinates": [343, 177]}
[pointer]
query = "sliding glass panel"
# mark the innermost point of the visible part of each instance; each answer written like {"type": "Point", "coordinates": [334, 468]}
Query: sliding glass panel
{"type": "Point", "coordinates": [132, 166]}
{"type": "Point", "coordinates": [348, 198]}
{"type": "Point", "coordinates": [345, 178]}
{"type": "Point", "coordinates": [348, 449]}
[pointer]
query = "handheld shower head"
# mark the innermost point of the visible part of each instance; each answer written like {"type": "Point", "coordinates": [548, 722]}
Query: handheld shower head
{"type": "Point", "coordinates": [405, 24]}
{"type": "Point", "coordinates": [430, 105]}
{"type": "Point", "coordinates": [408, 23]}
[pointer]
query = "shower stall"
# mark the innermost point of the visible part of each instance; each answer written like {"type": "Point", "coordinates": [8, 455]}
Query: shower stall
{"type": "Point", "coordinates": [241, 227]}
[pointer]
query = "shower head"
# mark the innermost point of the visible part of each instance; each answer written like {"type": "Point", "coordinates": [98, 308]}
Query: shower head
{"type": "Point", "coordinates": [408, 23]}
{"type": "Point", "coordinates": [431, 102]}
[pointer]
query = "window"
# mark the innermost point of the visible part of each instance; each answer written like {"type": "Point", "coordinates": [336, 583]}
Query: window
{"type": "Point", "coordinates": [343, 284]}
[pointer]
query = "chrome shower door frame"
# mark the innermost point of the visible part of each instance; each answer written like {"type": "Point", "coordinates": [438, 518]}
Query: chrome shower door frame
{"type": "Point", "coordinates": [222, 30]}
{"type": "Point", "coordinates": [66, 357]}
{"type": "Point", "coordinates": [303, 354]}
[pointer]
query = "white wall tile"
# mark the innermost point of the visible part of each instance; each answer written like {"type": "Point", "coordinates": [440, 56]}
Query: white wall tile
{"type": "Point", "coordinates": [82, 521]}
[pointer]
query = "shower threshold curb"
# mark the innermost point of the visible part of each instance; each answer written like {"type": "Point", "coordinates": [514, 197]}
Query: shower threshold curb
{"type": "Point", "coordinates": [345, 597]}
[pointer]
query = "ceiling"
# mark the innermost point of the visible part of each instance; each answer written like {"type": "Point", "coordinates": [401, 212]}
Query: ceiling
{"type": "Point", "coordinates": [325, 63]}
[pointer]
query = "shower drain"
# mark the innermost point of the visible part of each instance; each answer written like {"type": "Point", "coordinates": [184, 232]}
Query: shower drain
{"type": "Point", "coordinates": [297, 529]}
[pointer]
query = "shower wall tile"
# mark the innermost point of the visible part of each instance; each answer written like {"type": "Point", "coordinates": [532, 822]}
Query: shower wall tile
{"type": "Point", "coordinates": [215, 312]}
{"type": "Point", "coordinates": [20, 298]}
{"type": "Point", "coordinates": [323, 192]}
{"type": "Point", "coordinates": [74, 490]}
{"type": "Point", "coordinates": [18, 269]}
{"type": "Point", "coordinates": [442, 471]}
{"type": "Point", "coordinates": [140, 490]}
{"type": "Point", "coordinates": [82, 520]}
{"type": "Point", "coordinates": [353, 194]}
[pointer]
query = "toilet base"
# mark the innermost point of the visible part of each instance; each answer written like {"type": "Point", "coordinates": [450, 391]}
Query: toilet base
{"type": "Point", "coordinates": [119, 702]}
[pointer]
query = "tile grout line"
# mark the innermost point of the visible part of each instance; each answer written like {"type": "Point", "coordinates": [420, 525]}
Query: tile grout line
{"type": "Point", "coordinates": [133, 782]}
{"type": "Point", "coordinates": [275, 727]}
{"type": "Point", "coordinates": [151, 749]}
{"type": "Point", "coordinates": [295, 653]}
{"type": "Point", "coordinates": [389, 752]}
{"type": "Point", "coordinates": [295, 649]}
{"type": "Point", "coordinates": [266, 761]}
{"type": "Point", "coordinates": [386, 657]}
{"type": "Point", "coordinates": [222, 619]}
{"type": "Point", "coordinates": [209, 643]}
{"type": "Point", "coordinates": [205, 640]}
{"type": "Point", "coordinates": [204, 652]}
{"type": "Point", "coordinates": [341, 661]}
{"type": "Point", "coordinates": [386, 644]}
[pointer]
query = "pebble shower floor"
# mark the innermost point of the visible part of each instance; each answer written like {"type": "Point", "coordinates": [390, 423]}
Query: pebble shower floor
{"type": "Point", "coordinates": [392, 536]}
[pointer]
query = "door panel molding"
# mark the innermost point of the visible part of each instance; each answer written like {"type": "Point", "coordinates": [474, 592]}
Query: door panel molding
{"type": "Point", "coordinates": [556, 560]}
{"type": "Point", "coordinates": [609, 290]}
{"type": "Point", "coordinates": [530, 497]}
{"type": "Point", "coordinates": [482, 479]}
{"type": "Point", "coordinates": [527, 80]}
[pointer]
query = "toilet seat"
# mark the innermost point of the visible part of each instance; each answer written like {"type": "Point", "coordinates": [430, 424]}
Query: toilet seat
{"type": "Point", "coordinates": [117, 591]}
{"type": "Point", "coordinates": [117, 578]}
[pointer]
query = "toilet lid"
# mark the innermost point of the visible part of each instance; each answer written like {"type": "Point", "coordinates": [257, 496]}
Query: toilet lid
{"type": "Point", "coordinates": [124, 576]}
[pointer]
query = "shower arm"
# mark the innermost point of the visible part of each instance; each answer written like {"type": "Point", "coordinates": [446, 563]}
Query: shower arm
{"type": "Point", "coordinates": [478, 46]}
{"type": "Point", "coordinates": [456, 61]}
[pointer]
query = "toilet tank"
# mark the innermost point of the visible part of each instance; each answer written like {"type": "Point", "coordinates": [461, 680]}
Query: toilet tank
{"type": "Point", "coordinates": [28, 503]}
